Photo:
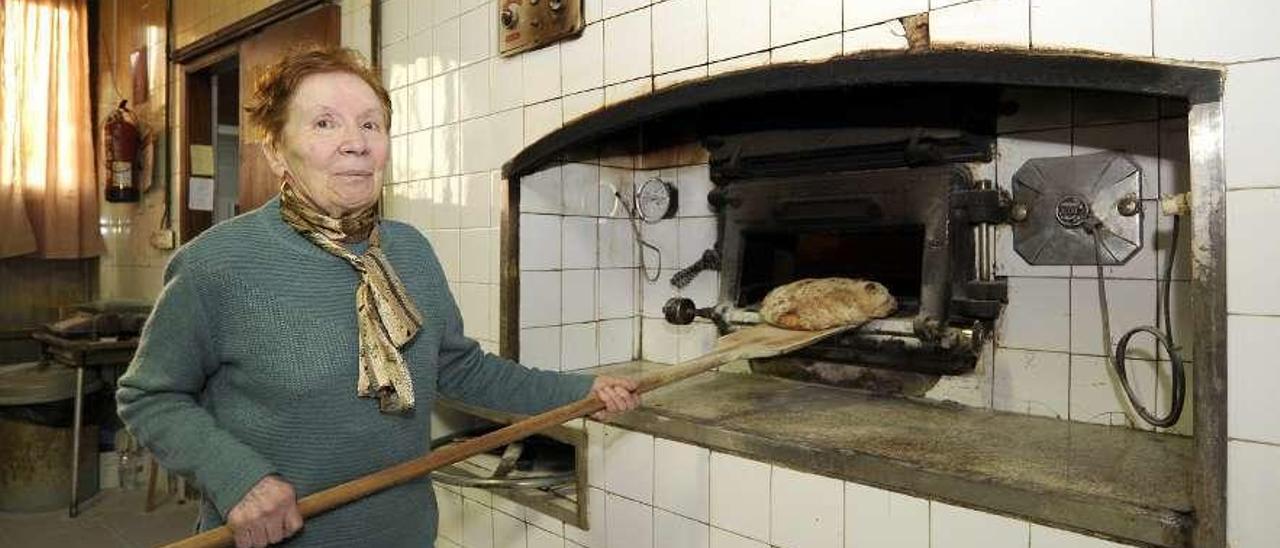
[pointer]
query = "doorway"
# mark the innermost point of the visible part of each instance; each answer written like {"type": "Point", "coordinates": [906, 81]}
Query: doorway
{"type": "Point", "coordinates": [213, 145]}
{"type": "Point", "coordinates": [223, 172]}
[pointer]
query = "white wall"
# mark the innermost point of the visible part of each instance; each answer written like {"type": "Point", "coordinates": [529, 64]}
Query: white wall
{"type": "Point", "coordinates": [462, 111]}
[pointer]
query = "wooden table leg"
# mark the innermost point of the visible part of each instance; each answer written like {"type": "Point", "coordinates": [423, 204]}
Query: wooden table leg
{"type": "Point", "coordinates": [151, 483]}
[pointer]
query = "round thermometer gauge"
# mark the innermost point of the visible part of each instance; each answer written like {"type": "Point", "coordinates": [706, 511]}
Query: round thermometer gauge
{"type": "Point", "coordinates": [655, 200]}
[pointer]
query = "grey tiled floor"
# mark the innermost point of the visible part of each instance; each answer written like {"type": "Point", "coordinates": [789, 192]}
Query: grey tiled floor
{"type": "Point", "coordinates": [111, 519]}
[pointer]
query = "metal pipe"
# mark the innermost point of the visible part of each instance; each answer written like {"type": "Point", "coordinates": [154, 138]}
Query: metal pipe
{"type": "Point", "coordinates": [76, 422]}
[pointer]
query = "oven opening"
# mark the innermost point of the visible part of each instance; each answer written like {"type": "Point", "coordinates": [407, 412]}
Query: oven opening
{"type": "Point", "coordinates": [892, 256]}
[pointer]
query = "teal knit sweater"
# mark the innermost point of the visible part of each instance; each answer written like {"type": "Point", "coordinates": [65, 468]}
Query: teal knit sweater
{"type": "Point", "coordinates": [247, 367]}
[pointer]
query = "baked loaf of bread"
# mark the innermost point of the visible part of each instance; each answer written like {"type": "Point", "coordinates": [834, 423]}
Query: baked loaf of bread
{"type": "Point", "coordinates": [822, 303]}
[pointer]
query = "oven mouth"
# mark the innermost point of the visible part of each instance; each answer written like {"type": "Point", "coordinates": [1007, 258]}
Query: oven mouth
{"type": "Point", "coordinates": [890, 255]}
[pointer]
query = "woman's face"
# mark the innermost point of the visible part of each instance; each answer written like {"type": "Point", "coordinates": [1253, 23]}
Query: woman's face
{"type": "Point", "coordinates": [334, 143]}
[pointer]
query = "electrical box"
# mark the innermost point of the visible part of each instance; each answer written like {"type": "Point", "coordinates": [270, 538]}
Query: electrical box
{"type": "Point", "coordinates": [524, 25]}
{"type": "Point", "coordinates": [1059, 202]}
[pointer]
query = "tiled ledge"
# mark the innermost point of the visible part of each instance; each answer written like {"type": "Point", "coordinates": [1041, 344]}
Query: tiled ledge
{"type": "Point", "coordinates": [1128, 485]}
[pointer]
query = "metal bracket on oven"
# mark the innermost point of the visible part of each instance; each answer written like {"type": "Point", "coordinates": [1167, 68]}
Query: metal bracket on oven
{"type": "Point", "coordinates": [980, 206]}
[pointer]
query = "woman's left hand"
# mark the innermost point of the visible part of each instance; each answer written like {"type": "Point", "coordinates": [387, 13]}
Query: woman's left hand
{"type": "Point", "coordinates": [618, 395]}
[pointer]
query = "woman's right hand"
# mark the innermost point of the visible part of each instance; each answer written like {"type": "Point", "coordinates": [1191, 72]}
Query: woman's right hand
{"type": "Point", "coordinates": [267, 514]}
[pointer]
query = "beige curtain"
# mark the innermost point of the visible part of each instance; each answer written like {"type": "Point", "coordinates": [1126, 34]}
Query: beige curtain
{"type": "Point", "coordinates": [48, 186]}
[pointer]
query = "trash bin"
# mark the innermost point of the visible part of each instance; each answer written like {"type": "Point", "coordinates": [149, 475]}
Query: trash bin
{"type": "Point", "coordinates": [36, 413]}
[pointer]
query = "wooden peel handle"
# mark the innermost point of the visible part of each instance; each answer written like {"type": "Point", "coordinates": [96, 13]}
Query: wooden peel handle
{"type": "Point", "coordinates": [333, 497]}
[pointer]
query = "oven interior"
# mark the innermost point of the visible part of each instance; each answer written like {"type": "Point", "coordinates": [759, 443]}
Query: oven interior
{"type": "Point", "coordinates": [892, 256]}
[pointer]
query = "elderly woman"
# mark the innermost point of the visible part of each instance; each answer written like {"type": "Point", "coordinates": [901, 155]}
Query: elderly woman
{"type": "Point", "coordinates": [303, 344]}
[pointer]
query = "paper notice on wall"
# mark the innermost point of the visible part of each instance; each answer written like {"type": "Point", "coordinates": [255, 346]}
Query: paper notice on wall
{"type": "Point", "coordinates": [200, 194]}
{"type": "Point", "coordinates": [202, 160]}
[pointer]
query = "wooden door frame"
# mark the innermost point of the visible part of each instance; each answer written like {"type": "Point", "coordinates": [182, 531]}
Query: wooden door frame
{"type": "Point", "coordinates": [235, 32]}
{"type": "Point", "coordinates": [182, 157]}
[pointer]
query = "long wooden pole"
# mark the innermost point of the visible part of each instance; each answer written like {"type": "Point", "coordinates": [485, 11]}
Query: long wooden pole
{"type": "Point", "coordinates": [754, 342]}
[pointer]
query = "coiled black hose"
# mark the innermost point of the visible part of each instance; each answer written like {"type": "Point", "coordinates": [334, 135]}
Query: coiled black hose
{"type": "Point", "coordinates": [1163, 338]}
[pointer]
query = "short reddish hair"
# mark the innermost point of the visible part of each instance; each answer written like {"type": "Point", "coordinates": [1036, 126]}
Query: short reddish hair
{"type": "Point", "coordinates": [275, 88]}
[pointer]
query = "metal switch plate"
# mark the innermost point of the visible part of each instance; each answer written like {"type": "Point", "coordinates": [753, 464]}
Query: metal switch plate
{"type": "Point", "coordinates": [1061, 194]}
{"type": "Point", "coordinates": [524, 25]}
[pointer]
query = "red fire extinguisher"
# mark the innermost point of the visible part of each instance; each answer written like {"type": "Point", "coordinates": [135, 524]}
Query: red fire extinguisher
{"type": "Point", "coordinates": [121, 136]}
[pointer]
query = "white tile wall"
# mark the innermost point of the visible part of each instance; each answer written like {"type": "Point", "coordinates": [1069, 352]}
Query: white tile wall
{"type": "Point", "coordinates": [1045, 537]}
{"type": "Point", "coordinates": [1125, 29]}
{"type": "Point", "coordinates": [676, 531]}
{"type": "Point", "coordinates": [540, 347]}
{"type": "Point", "coordinates": [1132, 303]}
{"type": "Point", "coordinates": [1249, 125]}
{"type": "Point", "coordinates": [885, 36]}
{"type": "Point", "coordinates": [596, 536]}
{"type": "Point", "coordinates": [724, 539]}
{"type": "Point", "coordinates": [1239, 33]}
{"type": "Point", "coordinates": [630, 523]}
{"type": "Point", "coordinates": [740, 496]}
{"type": "Point", "coordinates": [542, 119]}
{"type": "Point", "coordinates": [540, 241]}
{"type": "Point", "coordinates": [617, 340]}
{"type": "Point", "coordinates": [578, 347]}
{"type": "Point", "coordinates": [1253, 379]}
{"type": "Point", "coordinates": [478, 29]}
{"type": "Point", "coordinates": [659, 341]}
{"type": "Point", "coordinates": [672, 78]}
{"type": "Point", "coordinates": [679, 34]}
{"type": "Point", "coordinates": [507, 83]}
{"type": "Point", "coordinates": [694, 182]}
{"type": "Point", "coordinates": [628, 50]}
{"type": "Point", "coordinates": [449, 506]}
{"type": "Point", "coordinates": [981, 22]}
{"type": "Point", "coordinates": [875, 517]}
{"type": "Point", "coordinates": [473, 301]}
{"type": "Point", "coordinates": [617, 293]}
{"type": "Point", "coordinates": [1251, 283]}
{"type": "Point", "coordinates": [629, 464]}
{"type": "Point", "coordinates": [800, 20]}
{"type": "Point", "coordinates": [581, 189]}
{"type": "Point", "coordinates": [682, 479]}
{"type": "Point", "coordinates": [477, 524]}
{"type": "Point", "coordinates": [696, 339]}
{"type": "Point", "coordinates": [736, 27]}
{"type": "Point", "coordinates": [807, 510]}
{"type": "Point", "coordinates": [579, 242]}
{"type": "Point", "coordinates": [1253, 487]}
{"type": "Point", "coordinates": [539, 538]}
{"type": "Point", "coordinates": [816, 49]}
{"type": "Point", "coordinates": [861, 13]}
{"type": "Point", "coordinates": [617, 93]}
{"type": "Point", "coordinates": [1038, 315]}
{"type": "Point", "coordinates": [578, 295]}
{"type": "Point", "coordinates": [583, 61]}
{"type": "Point", "coordinates": [542, 74]}
{"type": "Point", "coordinates": [617, 7]}
{"type": "Point", "coordinates": [1096, 394]}
{"type": "Point", "coordinates": [955, 527]}
{"type": "Point", "coordinates": [741, 62]}
{"type": "Point", "coordinates": [508, 531]}
{"type": "Point", "coordinates": [539, 299]}
{"type": "Point", "coordinates": [1035, 383]}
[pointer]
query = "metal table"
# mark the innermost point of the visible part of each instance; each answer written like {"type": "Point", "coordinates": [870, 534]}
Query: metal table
{"type": "Point", "coordinates": [79, 354]}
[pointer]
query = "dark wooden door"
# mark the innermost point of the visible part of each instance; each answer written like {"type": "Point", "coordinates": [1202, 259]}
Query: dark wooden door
{"type": "Point", "coordinates": [322, 26]}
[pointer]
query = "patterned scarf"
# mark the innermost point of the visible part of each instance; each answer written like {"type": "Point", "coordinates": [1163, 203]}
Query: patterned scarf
{"type": "Point", "coordinates": [386, 315]}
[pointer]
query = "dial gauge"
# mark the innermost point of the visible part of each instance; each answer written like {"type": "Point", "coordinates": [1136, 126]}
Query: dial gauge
{"type": "Point", "coordinates": [655, 200]}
